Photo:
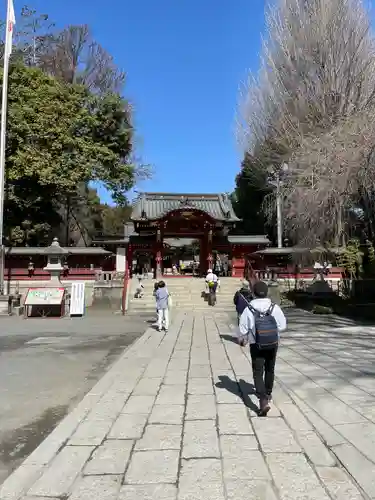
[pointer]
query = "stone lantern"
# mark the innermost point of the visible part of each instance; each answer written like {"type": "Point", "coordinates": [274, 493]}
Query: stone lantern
{"type": "Point", "coordinates": [55, 255]}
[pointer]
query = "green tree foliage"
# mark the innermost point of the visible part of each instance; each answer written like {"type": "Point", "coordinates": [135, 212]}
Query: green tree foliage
{"type": "Point", "coordinates": [60, 136]}
{"type": "Point", "coordinates": [113, 218]}
{"type": "Point", "coordinates": [89, 219]}
{"type": "Point", "coordinates": [251, 189]}
{"type": "Point", "coordinates": [69, 208]}
{"type": "Point", "coordinates": [350, 258]}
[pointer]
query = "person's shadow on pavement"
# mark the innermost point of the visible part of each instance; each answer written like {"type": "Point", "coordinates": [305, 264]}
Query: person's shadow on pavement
{"type": "Point", "coordinates": [229, 338]}
{"type": "Point", "coordinates": [242, 389]}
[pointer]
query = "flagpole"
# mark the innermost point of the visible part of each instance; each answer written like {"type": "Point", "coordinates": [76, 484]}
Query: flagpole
{"type": "Point", "coordinates": [4, 108]}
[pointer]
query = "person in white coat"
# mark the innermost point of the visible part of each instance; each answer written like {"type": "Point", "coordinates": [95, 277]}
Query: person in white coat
{"type": "Point", "coordinates": [212, 281]}
{"type": "Point", "coordinates": [162, 306]}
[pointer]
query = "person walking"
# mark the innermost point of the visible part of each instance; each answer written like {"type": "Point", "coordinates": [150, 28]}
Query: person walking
{"type": "Point", "coordinates": [242, 298]}
{"type": "Point", "coordinates": [211, 279]}
{"type": "Point", "coordinates": [156, 286]}
{"type": "Point", "coordinates": [140, 289]}
{"type": "Point", "coordinates": [260, 325]}
{"type": "Point", "coordinates": [162, 306]}
{"type": "Point", "coordinates": [212, 282]}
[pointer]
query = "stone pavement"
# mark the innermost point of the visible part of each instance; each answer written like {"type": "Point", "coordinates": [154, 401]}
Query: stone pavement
{"type": "Point", "coordinates": [175, 419]}
{"type": "Point", "coordinates": [46, 367]}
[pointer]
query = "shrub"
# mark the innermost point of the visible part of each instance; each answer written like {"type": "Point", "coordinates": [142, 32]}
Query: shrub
{"type": "Point", "coordinates": [318, 309]}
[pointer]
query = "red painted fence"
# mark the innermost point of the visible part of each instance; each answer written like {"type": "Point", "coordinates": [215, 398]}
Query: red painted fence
{"type": "Point", "coordinates": [41, 275]}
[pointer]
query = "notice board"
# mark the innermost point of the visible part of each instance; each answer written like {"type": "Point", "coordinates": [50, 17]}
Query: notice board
{"type": "Point", "coordinates": [45, 301]}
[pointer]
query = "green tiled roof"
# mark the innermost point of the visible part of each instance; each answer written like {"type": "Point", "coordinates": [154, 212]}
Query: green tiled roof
{"type": "Point", "coordinates": [258, 239]}
{"type": "Point", "coordinates": [152, 206]}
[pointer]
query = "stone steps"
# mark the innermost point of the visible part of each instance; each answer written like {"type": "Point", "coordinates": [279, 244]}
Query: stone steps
{"type": "Point", "coordinates": [186, 295]}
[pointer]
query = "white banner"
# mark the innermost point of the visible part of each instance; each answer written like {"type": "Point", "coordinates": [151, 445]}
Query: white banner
{"type": "Point", "coordinates": [77, 299]}
{"type": "Point", "coordinates": [120, 259]}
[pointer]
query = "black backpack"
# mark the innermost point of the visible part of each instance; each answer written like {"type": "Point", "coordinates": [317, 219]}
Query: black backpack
{"type": "Point", "coordinates": [266, 331]}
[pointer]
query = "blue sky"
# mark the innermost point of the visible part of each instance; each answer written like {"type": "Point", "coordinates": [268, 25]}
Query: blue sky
{"type": "Point", "coordinates": [184, 61]}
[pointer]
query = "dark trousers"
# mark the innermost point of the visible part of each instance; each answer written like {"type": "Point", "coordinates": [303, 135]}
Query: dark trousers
{"type": "Point", "coordinates": [263, 363]}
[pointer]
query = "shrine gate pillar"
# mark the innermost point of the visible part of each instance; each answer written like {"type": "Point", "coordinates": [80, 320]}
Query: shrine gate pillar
{"type": "Point", "coordinates": [127, 275]}
{"type": "Point", "coordinates": [209, 250]}
{"type": "Point", "coordinates": [159, 253]}
{"type": "Point", "coordinates": [203, 255]}
{"type": "Point", "coordinates": [129, 261]}
{"type": "Point", "coordinates": [206, 259]}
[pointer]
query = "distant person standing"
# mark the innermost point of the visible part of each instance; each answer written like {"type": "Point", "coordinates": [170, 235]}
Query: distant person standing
{"type": "Point", "coordinates": [162, 306]}
{"type": "Point", "coordinates": [260, 325]}
{"type": "Point", "coordinates": [138, 270]}
{"type": "Point", "coordinates": [218, 266]}
{"type": "Point", "coordinates": [225, 267]}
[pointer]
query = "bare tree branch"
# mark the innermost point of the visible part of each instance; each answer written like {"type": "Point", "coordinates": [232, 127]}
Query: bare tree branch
{"type": "Point", "coordinates": [314, 99]}
{"type": "Point", "coordinates": [74, 56]}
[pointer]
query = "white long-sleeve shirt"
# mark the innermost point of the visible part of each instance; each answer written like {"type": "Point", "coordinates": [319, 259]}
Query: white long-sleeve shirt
{"type": "Point", "coordinates": [211, 277]}
{"type": "Point", "coordinates": [247, 322]}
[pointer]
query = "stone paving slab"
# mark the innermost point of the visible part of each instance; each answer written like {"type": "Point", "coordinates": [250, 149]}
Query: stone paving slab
{"type": "Point", "coordinates": [175, 418]}
{"type": "Point", "coordinates": [111, 457]}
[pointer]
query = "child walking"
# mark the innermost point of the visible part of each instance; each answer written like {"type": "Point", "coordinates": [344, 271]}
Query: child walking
{"type": "Point", "coordinates": [260, 326]}
{"type": "Point", "coordinates": [162, 306]}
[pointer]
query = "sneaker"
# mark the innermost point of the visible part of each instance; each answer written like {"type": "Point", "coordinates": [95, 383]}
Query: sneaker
{"type": "Point", "coordinates": [264, 407]}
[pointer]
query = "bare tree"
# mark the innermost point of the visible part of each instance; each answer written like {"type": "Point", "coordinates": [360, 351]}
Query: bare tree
{"type": "Point", "coordinates": [312, 100]}
{"type": "Point", "coordinates": [33, 35]}
{"type": "Point", "coordinates": [330, 173]}
{"type": "Point", "coordinates": [74, 56]}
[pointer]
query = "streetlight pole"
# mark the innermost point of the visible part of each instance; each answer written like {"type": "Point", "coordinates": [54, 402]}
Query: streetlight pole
{"type": "Point", "coordinates": [279, 212]}
{"type": "Point", "coordinates": [277, 182]}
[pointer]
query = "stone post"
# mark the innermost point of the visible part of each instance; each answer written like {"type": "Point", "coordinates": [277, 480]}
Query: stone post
{"type": "Point", "coordinates": [274, 292]}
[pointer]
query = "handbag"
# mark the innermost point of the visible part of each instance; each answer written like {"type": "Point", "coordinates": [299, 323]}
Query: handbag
{"type": "Point", "coordinates": [170, 302]}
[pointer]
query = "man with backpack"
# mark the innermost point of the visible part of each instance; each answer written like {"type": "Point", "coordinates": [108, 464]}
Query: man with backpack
{"type": "Point", "coordinates": [260, 325]}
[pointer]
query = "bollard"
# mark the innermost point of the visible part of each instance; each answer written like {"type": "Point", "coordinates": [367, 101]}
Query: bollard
{"type": "Point", "coordinates": [274, 292]}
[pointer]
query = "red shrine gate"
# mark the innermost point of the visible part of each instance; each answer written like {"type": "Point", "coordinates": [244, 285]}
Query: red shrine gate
{"type": "Point", "coordinates": [207, 219]}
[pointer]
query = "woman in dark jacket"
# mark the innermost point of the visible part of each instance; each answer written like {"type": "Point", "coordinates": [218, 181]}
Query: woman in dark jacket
{"type": "Point", "coordinates": [242, 298]}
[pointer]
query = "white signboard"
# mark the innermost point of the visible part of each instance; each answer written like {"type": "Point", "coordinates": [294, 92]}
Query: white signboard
{"type": "Point", "coordinates": [120, 260]}
{"type": "Point", "coordinates": [44, 296]}
{"type": "Point", "coordinates": [77, 299]}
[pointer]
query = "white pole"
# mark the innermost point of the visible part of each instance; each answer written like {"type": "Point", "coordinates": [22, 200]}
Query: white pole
{"type": "Point", "coordinates": [279, 213]}
{"type": "Point", "coordinates": [4, 107]}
